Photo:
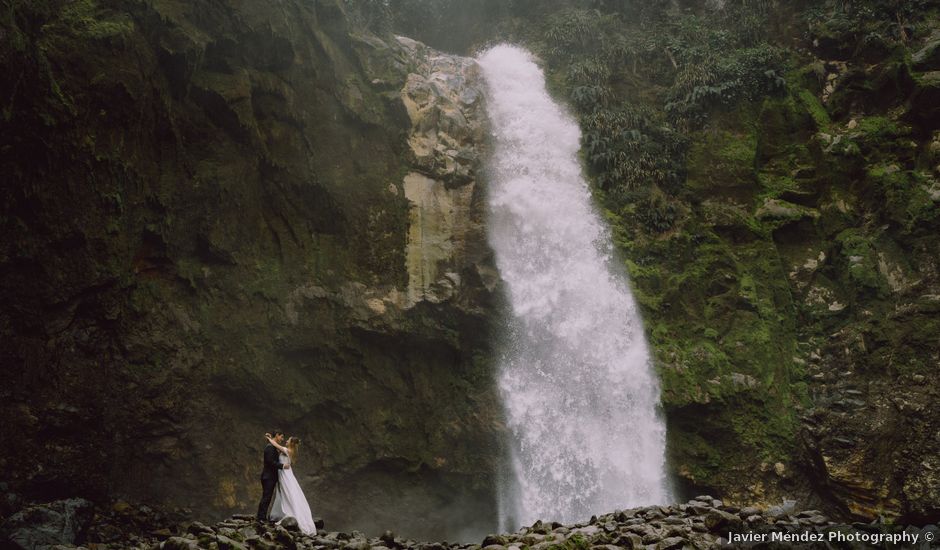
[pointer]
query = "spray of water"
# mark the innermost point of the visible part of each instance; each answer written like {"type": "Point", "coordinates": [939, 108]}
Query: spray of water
{"type": "Point", "coordinates": [576, 379]}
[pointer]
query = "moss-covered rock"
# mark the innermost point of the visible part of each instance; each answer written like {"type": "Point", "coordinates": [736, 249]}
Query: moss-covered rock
{"type": "Point", "coordinates": [770, 305]}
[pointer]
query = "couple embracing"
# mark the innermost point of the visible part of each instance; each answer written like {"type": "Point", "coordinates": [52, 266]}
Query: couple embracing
{"type": "Point", "coordinates": [278, 482]}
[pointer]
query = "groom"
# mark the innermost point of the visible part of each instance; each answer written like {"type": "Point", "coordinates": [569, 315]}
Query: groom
{"type": "Point", "coordinates": [269, 475]}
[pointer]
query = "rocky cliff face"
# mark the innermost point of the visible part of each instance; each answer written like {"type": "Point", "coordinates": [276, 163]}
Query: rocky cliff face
{"type": "Point", "coordinates": [825, 218]}
{"type": "Point", "coordinates": [788, 273]}
{"type": "Point", "coordinates": [869, 298]}
{"type": "Point", "coordinates": [794, 307]}
{"type": "Point", "coordinates": [225, 217]}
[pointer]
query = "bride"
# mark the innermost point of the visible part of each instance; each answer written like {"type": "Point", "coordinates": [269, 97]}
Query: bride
{"type": "Point", "coordinates": [289, 501]}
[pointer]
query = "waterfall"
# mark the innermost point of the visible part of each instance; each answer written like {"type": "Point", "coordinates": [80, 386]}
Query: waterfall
{"type": "Point", "coordinates": [576, 380]}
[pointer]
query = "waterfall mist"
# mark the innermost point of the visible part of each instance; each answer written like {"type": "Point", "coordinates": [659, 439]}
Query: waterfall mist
{"type": "Point", "coordinates": [576, 379]}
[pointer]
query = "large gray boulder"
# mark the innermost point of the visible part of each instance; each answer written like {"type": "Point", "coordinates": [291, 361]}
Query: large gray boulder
{"type": "Point", "coordinates": [46, 525]}
{"type": "Point", "coordinates": [927, 58]}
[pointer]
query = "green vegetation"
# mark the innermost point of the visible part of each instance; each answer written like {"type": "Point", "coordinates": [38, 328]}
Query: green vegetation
{"type": "Point", "coordinates": [870, 24]}
{"type": "Point", "coordinates": [815, 108]}
{"type": "Point", "coordinates": [87, 19]}
{"type": "Point", "coordinates": [574, 542]}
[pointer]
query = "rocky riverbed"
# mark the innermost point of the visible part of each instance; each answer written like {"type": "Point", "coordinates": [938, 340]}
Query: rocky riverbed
{"type": "Point", "coordinates": [704, 522]}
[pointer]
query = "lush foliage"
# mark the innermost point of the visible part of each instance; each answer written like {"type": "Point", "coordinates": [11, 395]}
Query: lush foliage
{"type": "Point", "coordinates": [631, 149]}
{"type": "Point", "coordinates": [608, 57]}
{"type": "Point", "coordinates": [868, 22]}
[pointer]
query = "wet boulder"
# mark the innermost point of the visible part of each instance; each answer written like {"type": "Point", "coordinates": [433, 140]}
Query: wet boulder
{"type": "Point", "coordinates": [46, 525]}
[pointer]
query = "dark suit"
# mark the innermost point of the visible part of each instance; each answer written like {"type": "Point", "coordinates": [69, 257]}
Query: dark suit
{"type": "Point", "coordinates": [268, 480]}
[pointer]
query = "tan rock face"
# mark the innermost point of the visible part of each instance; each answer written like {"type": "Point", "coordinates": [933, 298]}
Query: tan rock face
{"type": "Point", "coordinates": [438, 225]}
{"type": "Point", "coordinates": [444, 100]}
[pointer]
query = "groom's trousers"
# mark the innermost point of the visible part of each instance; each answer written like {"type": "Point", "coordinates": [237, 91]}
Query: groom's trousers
{"type": "Point", "coordinates": [267, 493]}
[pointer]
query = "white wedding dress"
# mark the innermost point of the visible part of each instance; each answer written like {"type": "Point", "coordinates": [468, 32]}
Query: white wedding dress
{"type": "Point", "coordinates": [289, 500]}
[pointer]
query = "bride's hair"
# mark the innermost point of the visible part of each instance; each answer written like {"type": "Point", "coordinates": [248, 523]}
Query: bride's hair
{"type": "Point", "coordinates": [293, 443]}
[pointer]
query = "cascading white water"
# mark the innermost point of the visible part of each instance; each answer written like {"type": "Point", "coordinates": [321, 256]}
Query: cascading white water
{"type": "Point", "coordinates": [576, 379]}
